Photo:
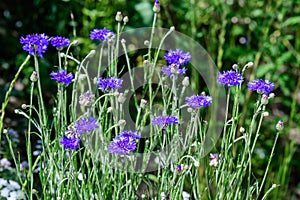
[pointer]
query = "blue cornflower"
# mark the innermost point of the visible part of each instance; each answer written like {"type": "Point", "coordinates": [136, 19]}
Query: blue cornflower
{"type": "Point", "coordinates": [177, 57]}
{"type": "Point", "coordinates": [62, 77]}
{"type": "Point", "coordinates": [72, 143]}
{"type": "Point", "coordinates": [261, 86]}
{"type": "Point", "coordinates": [164, 120]}
{"type": "Point", "coordinates": [109, 83]}
{"type": "Point", "coordinates": [84, 125]}
{"type": "Point", "coordinates": [124, 143]}
{"type": "Point", "coordinates": [59, 42]}
{"type": "Point", "coordinates": [173, 69]}
{"type": "Point", "coordinates": [198, 101]}
{"type": "Point", "coordinates": [35, 43]}
{"type": "Point", "coordinates": [230, 78]}
{"type": "Point", "coordinates": [101, 34]}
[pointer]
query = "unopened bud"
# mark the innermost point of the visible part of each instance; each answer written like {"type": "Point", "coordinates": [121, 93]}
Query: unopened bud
{"type": "Point", "coordinates": [156, 7]}
{"type": "Point", "coordinates": [125, 19]}
{"type": "Point", "coordinates": [235, 66]}
{"type": "Point", "coordinates": [144, 103]}
{"type": "Point", "coordinates": [109, 109]}
{"type": "Point", "coordinates": [122, 122]}
{"type": "Point", "coordinates": [242, 129]}
{"type": "Point", "coordinates": [264, 99]}
{"type": "Point", "coordinates": [250, 64]}
{"type": "Point", "coordinates": [146, 63]}
{"type": "Point", "coordinates": [172, 28]}
{"type": "Point", "coordinates": [121, 98]}
{"type": "Point", "coordinates": [23, 106]}
{"type": "Point", "coordinates": [279, 125]}
{"type": "Point", "coordinates": [34, 76]}
{"type": "Point", "coordinates": [271, 95]}
{"type": "Point", "coordinates": [266, 114]}
{"type": "Point", "coordinates": [196, 163]}
{"type": "Point", "coordinates": [186, 81]}
{"type": "Point", "coordinates": [119, 16]}
{"type": "Point", "coordinates": [81, 77]}
{"type": "Point", "coordinates": [75, 42]}
{"type": "Point", "coordinates": [146, 42]}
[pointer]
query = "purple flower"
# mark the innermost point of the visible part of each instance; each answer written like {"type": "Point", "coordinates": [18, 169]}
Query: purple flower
{"type": "Point", "coordinates": [198, 101]}
{"type": "Point", "coordinates": [4, 163]}
{"type": "Point", "coordinates": [101, 34]}
{"type": "Point", "coordinates": [86, 99]}
{"type": "Point", "coordinates": [59, 42]}
{"type": "Point", "coordinates": [124, 143]}
{"type": "Point", "coordinates": [35, 44]}
{"type": "Point", "coordinates": [72, 143]}
{"type": "Point", "coordinates": [84, 125]}
{"type": "Point", "coordinates": [164, 120]}
{"type": "Point", "coordinates": [230, 78]}
{"type": "Point", "coordinates": [261, 86]}
{"type": "Point", "coordinates": [109, 83]}
{"type": "Point", "coordinates": [62, 77]}
{"type": "Point", "coordinates": [173, 69]}
{"type": "Point", "coordinates": [177, 57]}
{"type": "Point", "coordinates": [214, 159]}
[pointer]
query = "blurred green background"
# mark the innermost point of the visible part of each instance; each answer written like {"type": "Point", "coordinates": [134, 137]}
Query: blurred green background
{"type": "Point", "coordinates": [232, 31]}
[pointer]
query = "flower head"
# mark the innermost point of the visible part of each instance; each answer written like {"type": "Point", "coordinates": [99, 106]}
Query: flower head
{"type": "Point", "coordinates": [70, 143]}
{"type": "Point", "coordinates": [86, 99]}
{"type": "Point", "coordinates": [279, 125]}
{"type": "Point", "coordinates": [177, 57]}
{"type": "Point", "coordinates": [35, 44]}
{"type": "Point", "coordinates": [109, 83]}
{"type": "Point", "coordinates": [84, 125]}
{"type": "Point", "coordinates": [173, 69]}
{"type": "Point", "coordinates": [164, 120]}
{"type": "Point", "coordinates": [156, 7]}
{"type": "Point", "coordinates": [124, 143]}
{"type": "Point", "coordinates": [214, 159]}
{"type": "Point", "coordinates": [230, 78]}
{"type": "Point", "coordinates": [101, 34]}
{"type": "Point", "coordinates": [62, 77]}
{"type": "Point", "coordinates": [261, 86]}
{"type": "Point", "coordinates": [198, 101]}
{"type": "Point", "coordinates": [59, 42]}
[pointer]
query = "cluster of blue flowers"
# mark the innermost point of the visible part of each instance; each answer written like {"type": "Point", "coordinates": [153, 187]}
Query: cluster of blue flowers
{"type": "Point", "coordinates": [61, 76]}
{"type": "Point", "coordinates": [101, 34]}
{"type": "Point", "coordinates": [176, 59]}
{"type": "Point", "coordinates": [84, 125]}
{"type": "Point", "coordinates": [38, 43]}
{"type": "Point", "coordinates": [109, 83]}
{"type": "Point", "coordinates": [164, 120]}
{"type": "Point", "coordinates": [124, 143]}
{"type": "Point", "coordinates": [198, 101]}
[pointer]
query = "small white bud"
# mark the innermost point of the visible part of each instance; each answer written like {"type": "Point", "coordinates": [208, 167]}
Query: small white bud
{"type": "Point", "coordinates": [172, 28]}
{"type": "Point", "coordinates": [279, 125]}
{"type": "Point", "coordinates": [34, 76]}
{"type": "Point", "coordinates": [196, 164]}
{"type": "Point", "coordinates": [186, 81]}
{"type": "Point", "coordinates": [109, 109]}
{"type": "Point", "coordinates": [235, 66]}
{"type": "Point", "coordinates": [122, 122]}
{"type": "Point", "coordinates": [92, 53]}
{"type": "Point", "coordinates": [266, 114]}
{"type": "Point", "coordinates": [242, 129]}
{"type": "Point", "coordinates": [250, 64]}
{"type": "Point", "coordinates": [146, 42]}
{"type": "Point", "coordinates": [264, 99]}
{"type": "Point", "coordinates": [125, 19]}
{"type": "Point", "coordinates": [23, 106]}
{"type": "Point", "coordinates": [119, 16]}
{"type": "Point", "coordinates": [271, 95]}
{"type": "Point", "coordinates": [121, 98]}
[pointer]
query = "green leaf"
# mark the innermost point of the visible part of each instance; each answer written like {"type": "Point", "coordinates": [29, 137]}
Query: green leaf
{"type": "Point", "coordinates": [264, 69]}
{"type": "Point", "coordinates": [291, 21]}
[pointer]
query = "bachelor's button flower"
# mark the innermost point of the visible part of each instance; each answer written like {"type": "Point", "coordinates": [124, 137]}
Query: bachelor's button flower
{"type": "Point", "coordinates": [173, 69]}
{"type": "Point", "coordinates": [261, 86]}
{"type": "Point", "coordinates": [177, 57]}
{"type": "Point", "coordinates": [84, 125]}
{"type": "Point", "coordinates": [124, 143]}
{"type": "Point", "coordinates": [59, 42]}
{"type": "Point", "coordinates": [156, 7]}
{"type": "Point", "coordinates": [198, 101]}
{"type": "Point", "coordinates": [164, 120]}
{"type": "Point", "coordinates": [35, 44]}
{"type": "Point", "coordinates": [101, 34]}
{"type": "Point", "coordinates": [4, 163]}
{"type": "Point", "coordinates": [230, 78]}
{"type": "Point", "coordinates": [70, 143]}
{"type": "Point", "coordinates": [109, 83]}
{"type": "Point", "coordinates": [62, 77]}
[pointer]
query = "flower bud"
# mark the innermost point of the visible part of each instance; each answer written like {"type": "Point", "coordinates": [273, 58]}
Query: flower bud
{"type": "Point", "coordinates": [146, 42]}
{"type": "Point", "coordinates": [279, 125]}
{"type": "Point", "coordinates": [109, 109]}
{"type": "Point", "coordinates": [23, 106]}
{"type": "Point", "coordinates": [119, 16]}
{"type": "Point", "coordinates": [121, 98]}
{"type": "Point", "coordinates": [242, 129]}
{"type": "Point", "coordinates": [144, 103]}
{"type": "Point", "coordinates": [235, 66]}
{"type": "Point", "coordinates": [264, 99]}
{"type": "Point", "coordinates": [125, 19]}
{"type": "Point", "coordinates": [250, 64]}
{"type": "Point", "coordinates": [122, 122]}
{"type": "Point", "coordinates": [186, 81]}
{"type": "Point", "coordinates": [156, 7]}
{"type": "Point", "coordinates": [33, 76]}
{"type": "Point", "coordinates": [75, 42]}
{"type": "Point", "coordinates": [271, 95]}
{"type": "Point", "coordinates": [266, 114]}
